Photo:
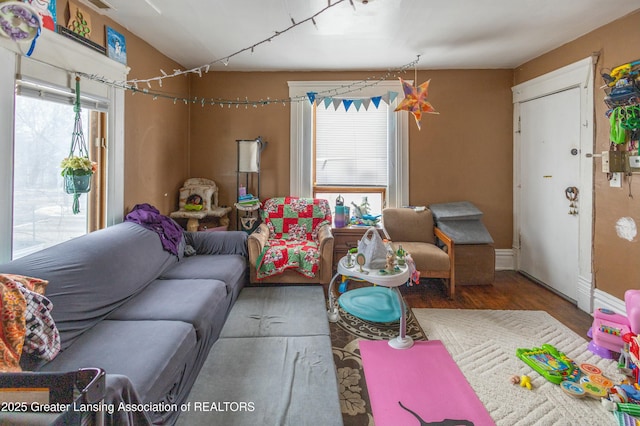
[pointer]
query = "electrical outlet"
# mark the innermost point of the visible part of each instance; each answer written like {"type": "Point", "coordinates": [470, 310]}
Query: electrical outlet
{"type": "Point", "coordinates": [634, 162]}
{"type": "Point", "coordinates": [616, 180]}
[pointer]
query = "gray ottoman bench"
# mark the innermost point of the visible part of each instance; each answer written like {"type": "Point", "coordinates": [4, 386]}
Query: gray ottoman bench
{"type": "Point", "coordinates": [475, 260]}
{"type": "Point", "coordinates": [272, 365]}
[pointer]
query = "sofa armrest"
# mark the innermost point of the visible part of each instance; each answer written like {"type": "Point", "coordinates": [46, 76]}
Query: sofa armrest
{"type": "Point", "coordinates": [218, 242]}
{"type": "Point", "coordinates": [256, 242]}
{"type": "Point", "coordinates": [449, 246]}
{"type": "Point", "coordinates": [446, 240]}
{"type": "Point", "coordinates": [325, 236]}
{"type": "Point", "coordinates": [325, 248]}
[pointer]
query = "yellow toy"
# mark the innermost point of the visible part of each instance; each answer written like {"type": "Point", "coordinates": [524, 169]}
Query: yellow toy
{"type": "Point", "coordinates": [524, 381]}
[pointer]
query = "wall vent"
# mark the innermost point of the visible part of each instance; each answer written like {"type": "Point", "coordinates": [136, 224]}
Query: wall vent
{"type": "Point", "coordinates": [100, 6]}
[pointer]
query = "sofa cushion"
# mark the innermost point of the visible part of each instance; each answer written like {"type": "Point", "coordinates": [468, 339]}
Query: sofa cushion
{"type": "Point", "coordinates": [460, 210]}
{"type": "Point", "coordinates": [196, 302]}
{"type": "Point", "coordinates": [276, 311]}
{"type": "Point", "coordinates": [427, 257]}
{"type": "Point", "coordinates": [279, 255]}
{"type": "Point", "coordinates": [161, 348]}
{"type": "Point", "coordinates": [405, 224]}
{"type": "Point", "coordinates": [227, 242]}
{"type": "Point", "coordinates": [228, 268]}
{"type": "Point", "coordinates": [91, 275]}
{"type": "Point", "coordinates": [286, 381]}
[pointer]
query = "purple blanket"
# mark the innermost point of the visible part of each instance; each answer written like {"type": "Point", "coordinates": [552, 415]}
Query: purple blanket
{"type": "Point", "coordinates": [148, 216]}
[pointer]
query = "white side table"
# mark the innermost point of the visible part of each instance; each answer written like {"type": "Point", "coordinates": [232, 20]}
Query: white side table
{"type": "Point", "coordinates": [374, 276]}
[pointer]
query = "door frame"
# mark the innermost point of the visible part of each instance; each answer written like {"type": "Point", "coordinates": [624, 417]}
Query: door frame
{"type": "Point", "coordinates": [579, 74]}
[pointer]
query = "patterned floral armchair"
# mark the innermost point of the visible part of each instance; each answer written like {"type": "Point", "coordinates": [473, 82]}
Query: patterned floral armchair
{"type": "Point", "coordinates": [293, 243]}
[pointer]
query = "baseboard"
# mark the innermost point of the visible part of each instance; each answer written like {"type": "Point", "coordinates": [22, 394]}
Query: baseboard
{"type": "Point", "coordinates": [584, 294]}
{"type": "Point", "coordinates": [505, 260]}
{"type": "Point", "coordinates": [607, 301]}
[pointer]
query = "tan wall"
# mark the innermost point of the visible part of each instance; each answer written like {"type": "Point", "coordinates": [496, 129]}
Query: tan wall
{"type": "Point", "coordinates": [464, 153]}
{"type": "Point", "coordinates": [156, 132]}
{"type": "Point", "coordinates": [615, 260]}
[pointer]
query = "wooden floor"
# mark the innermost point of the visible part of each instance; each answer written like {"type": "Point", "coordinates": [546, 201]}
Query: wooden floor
{"type": "Point", "coordinates": [510, 290]}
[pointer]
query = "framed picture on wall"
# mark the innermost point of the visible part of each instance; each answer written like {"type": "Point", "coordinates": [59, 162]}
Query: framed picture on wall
{"type": "Point", "coordinates": [47, 11]}
{"type": "Point", "coordinates": [79, 20]}
{"type": "Point", "coordinates": [116, 46]}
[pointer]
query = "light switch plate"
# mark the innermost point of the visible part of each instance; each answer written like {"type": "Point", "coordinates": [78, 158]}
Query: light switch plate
{"type": "Point", "coordinates": [616, 180]}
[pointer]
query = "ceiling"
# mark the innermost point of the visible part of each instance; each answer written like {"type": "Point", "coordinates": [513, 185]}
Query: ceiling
{"type": "Point", "coordinates": [352, 35]}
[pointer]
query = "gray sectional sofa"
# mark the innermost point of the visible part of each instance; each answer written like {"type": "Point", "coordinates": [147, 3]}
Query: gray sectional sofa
{"type": "Point", "coordinates": [144, 315]}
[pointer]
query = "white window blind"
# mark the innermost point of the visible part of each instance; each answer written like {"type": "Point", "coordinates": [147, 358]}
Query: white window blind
{"type": "Point", "coordinates": [352, 146]}
{"type": "Point", "coordinates": [26, 86]}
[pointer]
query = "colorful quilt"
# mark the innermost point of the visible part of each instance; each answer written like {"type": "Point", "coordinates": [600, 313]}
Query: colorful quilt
{"type": "Point", "coordinates": [293, 225]}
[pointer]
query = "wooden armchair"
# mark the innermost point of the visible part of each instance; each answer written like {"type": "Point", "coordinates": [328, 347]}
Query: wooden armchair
{"type": "Point", "coordinates": [415, 231]}
{"type": "Point", "coordinates": [294, 242]}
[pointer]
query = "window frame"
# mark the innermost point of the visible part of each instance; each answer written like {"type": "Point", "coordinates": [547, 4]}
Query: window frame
{"type": "Point", "coordinates": [345, 189]}
{"type": "Point", "coordinates": [302, 136]}
{"type": "Point", "coordinates": [49, 63]}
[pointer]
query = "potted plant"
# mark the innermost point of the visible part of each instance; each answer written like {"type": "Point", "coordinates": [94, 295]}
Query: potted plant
{"type": "Point", "coordinates": [77, 172]}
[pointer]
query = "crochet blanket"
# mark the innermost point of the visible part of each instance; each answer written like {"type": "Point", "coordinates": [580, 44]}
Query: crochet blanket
{"type": "Point", "coordinates": [25, 321]}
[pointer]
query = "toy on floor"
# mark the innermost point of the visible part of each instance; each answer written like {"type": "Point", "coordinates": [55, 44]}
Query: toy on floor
{"type": "Point", "coordinates": [524, 381]}
{"type": "Point", "coordinates": [609, 327]}
{"type": "Point", "coordinates": [552, 364]}
{"type": "Point", "coordinates": [625, 407]}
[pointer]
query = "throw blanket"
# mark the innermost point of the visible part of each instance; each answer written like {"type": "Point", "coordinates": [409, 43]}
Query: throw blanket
{"type": "Point", "coordinates": [25, 321]}
{"type": "Point", "coordinates": [149, 217]}
{"type": "Point", "coordinates": [293, 242]}
{"type": "Point", "coordinates": [280, 255]}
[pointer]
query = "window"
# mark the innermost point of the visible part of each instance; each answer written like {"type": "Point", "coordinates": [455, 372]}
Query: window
{"type": "Point", "coordinates": [42, 213]}
{"type": "Point", "coordinates": [304, 161]}
{"type": "Point", "coordinates": [46, 76]}
{"type": "Point", "coordinates": [351, 154]}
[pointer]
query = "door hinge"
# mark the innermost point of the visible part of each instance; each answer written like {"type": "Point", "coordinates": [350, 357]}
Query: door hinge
{"type": "Point", "coordinates": [519, 124]}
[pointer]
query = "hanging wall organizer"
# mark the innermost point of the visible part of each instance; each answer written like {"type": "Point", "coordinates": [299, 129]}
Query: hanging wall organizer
{"type": "Point", "coordinates": [622, 89]}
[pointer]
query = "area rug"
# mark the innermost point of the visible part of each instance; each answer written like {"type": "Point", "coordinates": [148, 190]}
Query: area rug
{"type": "Point", "coordinates": [345, 335]}
{"type": "Point", "coordinates": [483, 343]}
{"type": "Point", "coordinates": [420, 385]}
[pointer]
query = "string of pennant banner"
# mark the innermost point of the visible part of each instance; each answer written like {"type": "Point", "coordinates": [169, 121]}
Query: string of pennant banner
{"type": "Point", "coordinates": [347, 103]}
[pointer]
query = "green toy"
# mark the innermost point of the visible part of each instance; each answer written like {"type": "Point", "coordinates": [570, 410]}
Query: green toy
{"type": "Point", "coordinates": [552, 364]}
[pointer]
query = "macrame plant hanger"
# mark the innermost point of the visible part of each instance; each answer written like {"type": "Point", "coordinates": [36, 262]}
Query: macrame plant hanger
{"type": "Point", "coordinates": [78, 149]}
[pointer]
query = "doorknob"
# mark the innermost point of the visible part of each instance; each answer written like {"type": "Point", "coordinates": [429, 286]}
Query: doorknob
{"type": "Point", "coordinates": [572, 195]}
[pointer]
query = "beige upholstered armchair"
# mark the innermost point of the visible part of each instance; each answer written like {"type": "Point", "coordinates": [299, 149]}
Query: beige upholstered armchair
{"type": "Point", "coordinates": [415, 231]}
{"type": "Point", "coordinates": [293, 244]}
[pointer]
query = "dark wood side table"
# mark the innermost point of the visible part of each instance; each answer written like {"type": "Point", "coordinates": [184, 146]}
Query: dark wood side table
{"type": "Point", "coordinates": [347, 238]}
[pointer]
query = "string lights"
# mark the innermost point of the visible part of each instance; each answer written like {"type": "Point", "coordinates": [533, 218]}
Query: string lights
{"type": "Point", "coordinates": [144, 85]}
{"type": "Point", "coordinates": [226, 59]}
{"type": "Point", "coordinates": [333, 92]}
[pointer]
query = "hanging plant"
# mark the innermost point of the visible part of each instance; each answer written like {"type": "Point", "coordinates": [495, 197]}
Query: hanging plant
{"type": "Point", "coordinates": [77, 168]}
{"type": "Point", "coordinates": [77, 172]}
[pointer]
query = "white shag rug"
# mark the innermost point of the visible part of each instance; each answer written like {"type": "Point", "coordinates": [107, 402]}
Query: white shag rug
{"type": "Point", "coordinates": [483, 343]}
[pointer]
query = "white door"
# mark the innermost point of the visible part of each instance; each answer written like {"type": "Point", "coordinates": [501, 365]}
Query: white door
{"type": "Point", "coordinates": [549, 165]}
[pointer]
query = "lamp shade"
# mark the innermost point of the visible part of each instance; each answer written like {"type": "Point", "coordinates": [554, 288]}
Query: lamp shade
{"type": "Point", "coordinates": [249, 155]}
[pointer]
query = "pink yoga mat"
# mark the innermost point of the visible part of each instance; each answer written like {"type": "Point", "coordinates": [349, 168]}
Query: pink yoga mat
{"type": "Point", "coordinates": [425, 379]}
